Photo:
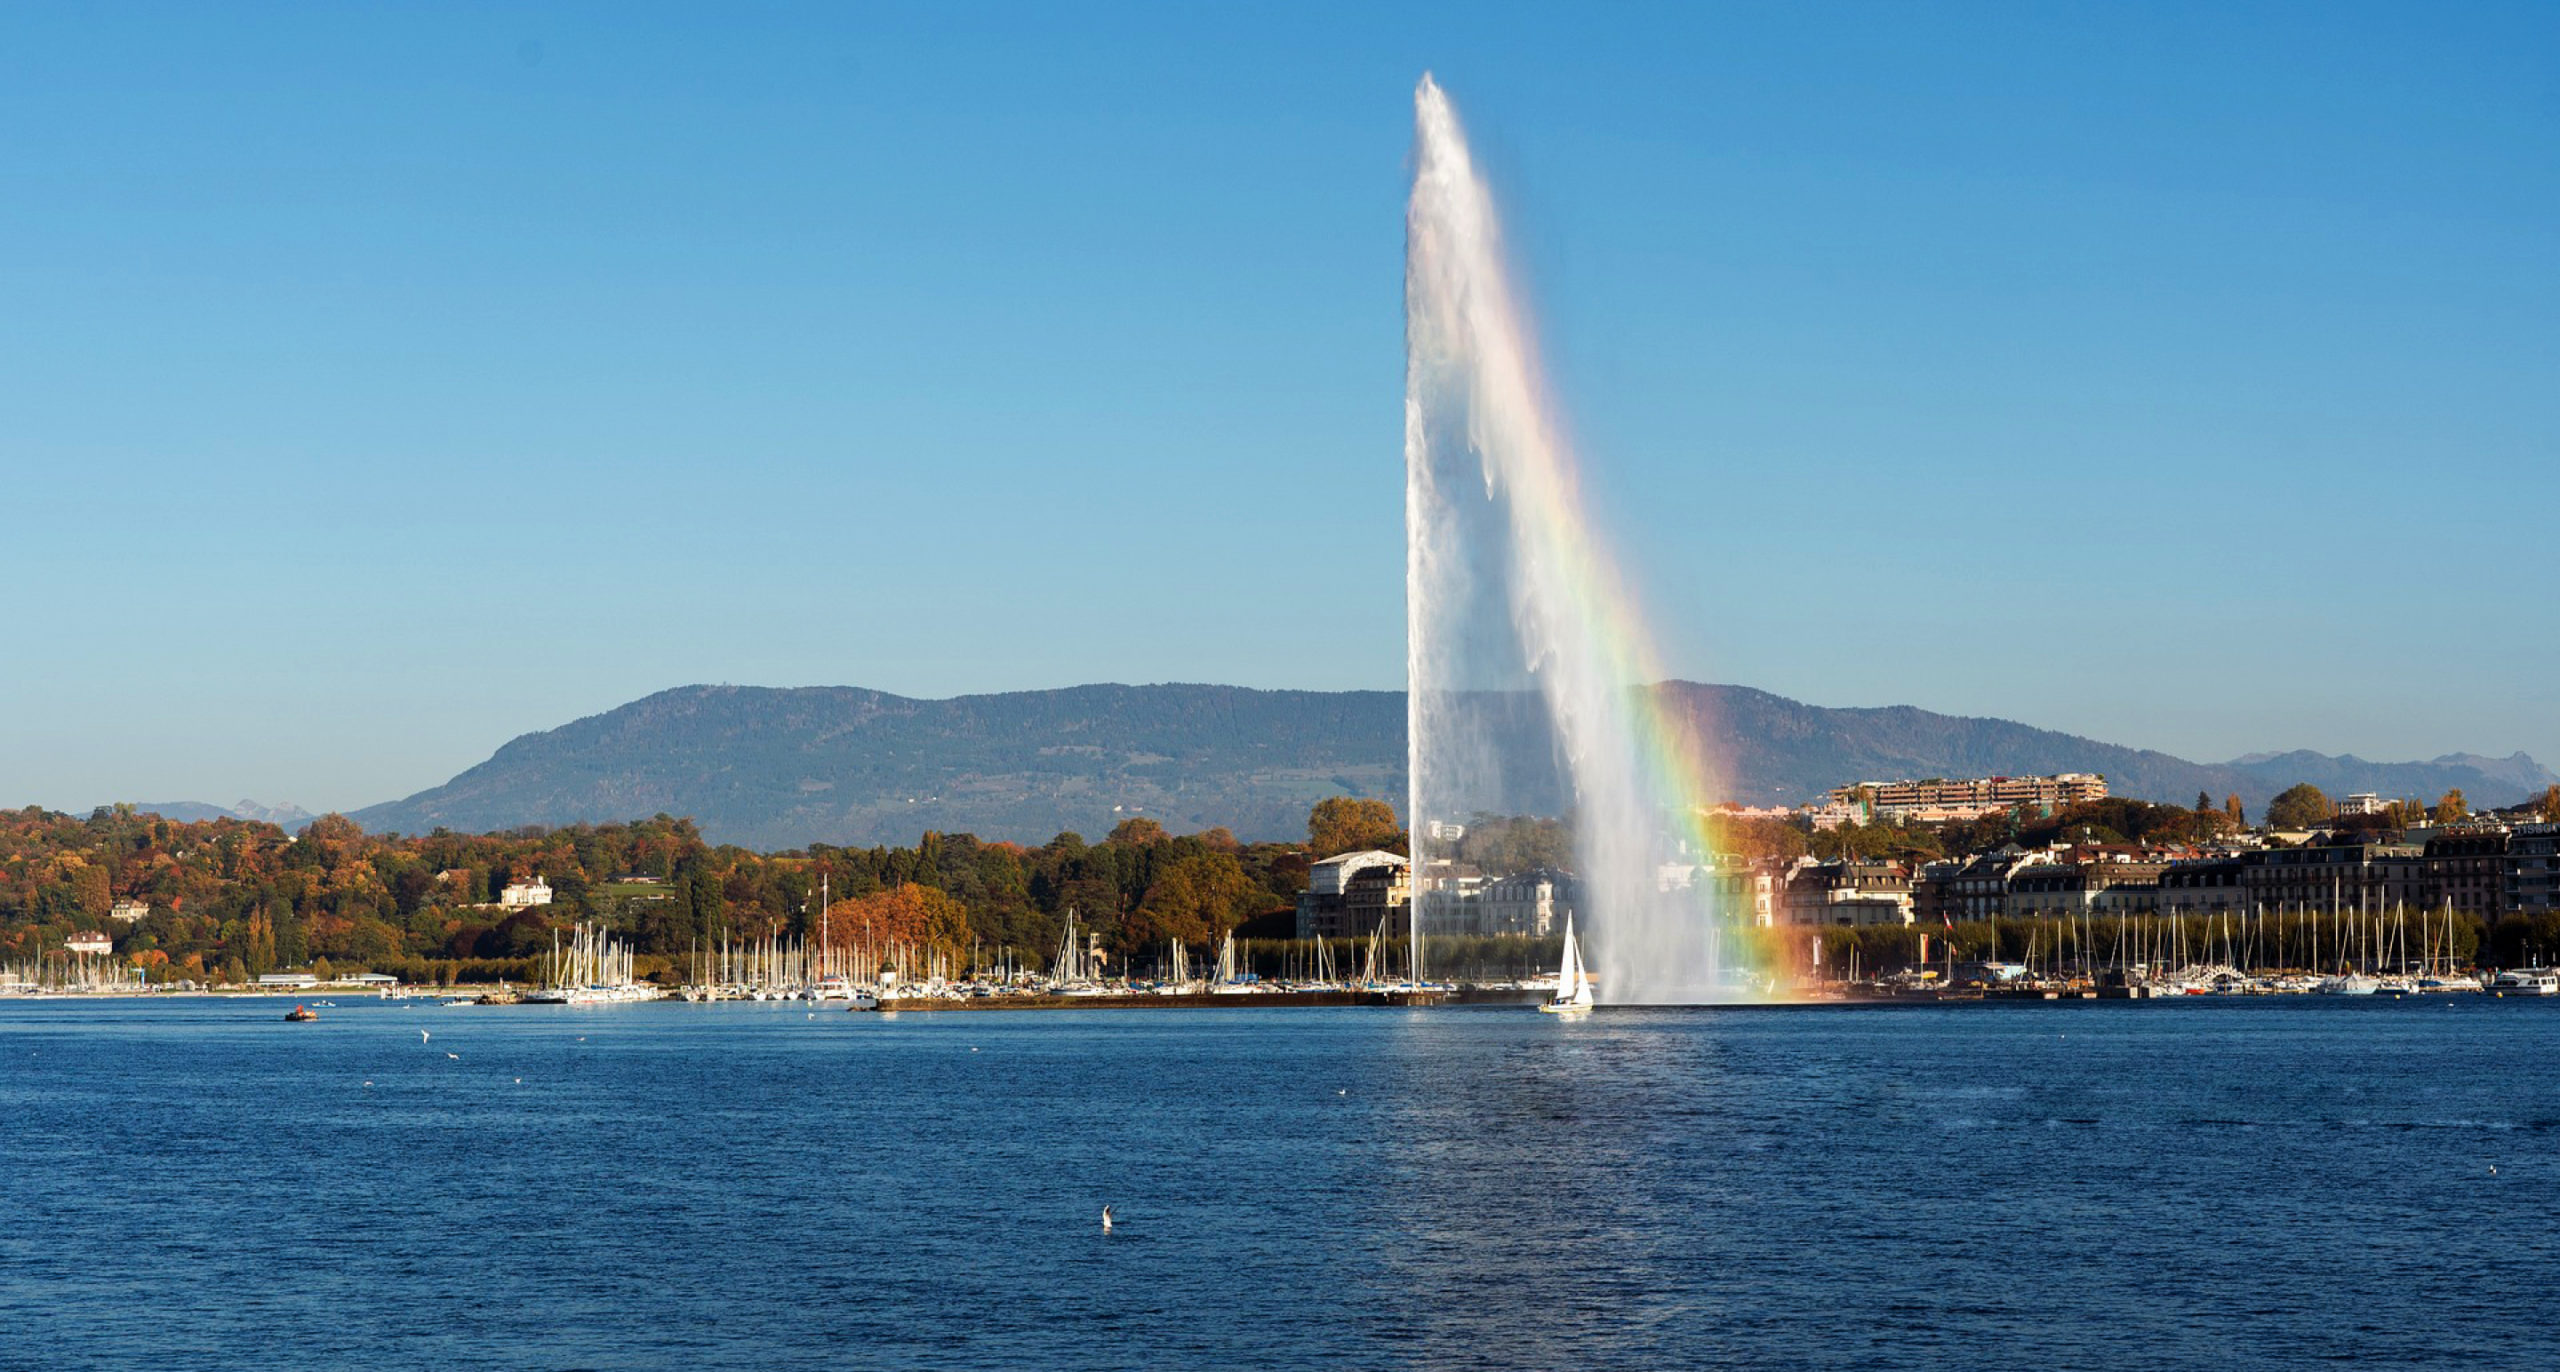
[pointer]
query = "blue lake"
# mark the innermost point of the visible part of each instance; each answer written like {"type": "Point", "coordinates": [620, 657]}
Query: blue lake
{"type": "Point", "coordinates": [2260, 1183]}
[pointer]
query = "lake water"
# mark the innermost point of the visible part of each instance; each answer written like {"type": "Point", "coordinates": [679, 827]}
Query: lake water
{"type": "Point", "coordinates": [2267, 1183]}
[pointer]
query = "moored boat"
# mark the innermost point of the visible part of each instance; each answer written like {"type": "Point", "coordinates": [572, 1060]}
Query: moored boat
{"type": "Point", "coordinates": [2527, 981]}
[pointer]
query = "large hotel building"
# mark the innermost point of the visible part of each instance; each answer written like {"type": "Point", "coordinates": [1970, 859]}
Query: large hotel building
{"type": "Point", "coordinates": [1937, 799]}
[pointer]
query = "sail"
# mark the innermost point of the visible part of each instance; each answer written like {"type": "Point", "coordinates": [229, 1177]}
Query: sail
{"type": "Point", "coordinates": [1569, 977]}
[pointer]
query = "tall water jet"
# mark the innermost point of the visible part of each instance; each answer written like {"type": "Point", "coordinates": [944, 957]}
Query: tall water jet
{"type": "Point", "coordinates": [1527, 666]}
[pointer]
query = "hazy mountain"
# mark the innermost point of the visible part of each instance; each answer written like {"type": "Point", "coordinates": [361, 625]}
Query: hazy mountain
{"type": "Point", "coordinates": [778, 768]}
{"type": "Point", "coordinates": [290, 817]}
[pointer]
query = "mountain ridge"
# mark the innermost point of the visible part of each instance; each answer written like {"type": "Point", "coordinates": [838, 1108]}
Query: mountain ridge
{"type": "Point", "coordinates": [781, 767]}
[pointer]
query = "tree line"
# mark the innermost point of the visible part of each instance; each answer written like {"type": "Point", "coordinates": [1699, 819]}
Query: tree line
{"type": "Point", "coordinates": [231, 899]}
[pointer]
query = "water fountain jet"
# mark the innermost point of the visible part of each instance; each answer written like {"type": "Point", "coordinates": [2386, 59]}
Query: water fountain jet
{"type": "Point", "coordinates": [1518, 624]}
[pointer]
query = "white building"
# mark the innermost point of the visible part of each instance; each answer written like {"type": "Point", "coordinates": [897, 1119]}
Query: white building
{"type": "Point", "coordinates": [1533, 903]}
{"type": "Point", "coordinates": [2362, 803]}
{"type": "Point", "coordinates": [131, 911]}
{"type": "Point", "coordinates": [1745, 890]}
{"type": "Point", "coordinates": [89, 942]}
{"type": "Point", "coordinates": [520, 894]}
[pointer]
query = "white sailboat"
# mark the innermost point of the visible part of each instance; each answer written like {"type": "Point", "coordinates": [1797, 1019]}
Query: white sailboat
{"type": "Point", "coordinates": [1573, 985]}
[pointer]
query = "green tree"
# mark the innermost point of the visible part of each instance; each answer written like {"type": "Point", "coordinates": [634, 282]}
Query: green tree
{"type": "Point", "coordinates": [1348, 824]}
{"type": "Point", "coordinates": [2298, 807]}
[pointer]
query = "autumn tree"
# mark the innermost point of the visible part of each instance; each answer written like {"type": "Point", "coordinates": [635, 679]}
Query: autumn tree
{"type": "Point", "coordinates": [2231, 807]}
{"type": "Point", "coordinates": [2452, 807]}
{"type": "Point", "coordinates": [1349, 824]}
{"type": "Point", "coordinates": [2298, 807]}
{"type": "Point", "coordinates": [1197, 899]}
{"type": "Point", "coordinates": [2551, 804]}
{"type": "Point", "coordinates": [907, 915]}
{"type": "Point", "coordinates": [1137, 831]}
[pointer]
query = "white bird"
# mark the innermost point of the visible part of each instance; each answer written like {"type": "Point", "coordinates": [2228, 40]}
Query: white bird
{"type": "Point", "coordinates": [1106, 1219]}
{"type": "Point", "coordinates": [457, 1057]}
{"type": "Point", "coordinates": [422, 1036]}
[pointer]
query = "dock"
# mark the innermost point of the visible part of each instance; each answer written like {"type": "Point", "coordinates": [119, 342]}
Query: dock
{"type": "Point", "coordinates": [1259, 1000]}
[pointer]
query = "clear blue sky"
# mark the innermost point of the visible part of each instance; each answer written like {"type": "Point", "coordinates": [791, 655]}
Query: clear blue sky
{"type": "Point", "coordinates": [382, 382]}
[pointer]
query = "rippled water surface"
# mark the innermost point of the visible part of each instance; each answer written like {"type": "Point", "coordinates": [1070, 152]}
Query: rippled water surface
{"type": "Point", "coordinates": [198, 1184]}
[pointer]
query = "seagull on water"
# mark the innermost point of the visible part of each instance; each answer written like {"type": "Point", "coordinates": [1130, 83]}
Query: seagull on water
{"type": "Point", "coordinates": [422, 1036]}
{"type": "Point", "coordinates": [457, 1057]}
{"type": "Point", "coordinates": [1106, 1219]}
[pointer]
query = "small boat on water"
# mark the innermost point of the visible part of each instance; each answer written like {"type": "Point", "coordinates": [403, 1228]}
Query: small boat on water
{"type": "Point", "coordinates": [2527, 981]}
{"type": "Point", "coordinates": [1573, 985]}
{"type": "Point", "coordinates": [2348, 984]}
{"type": "Point", "coordinates": [301, 1014]}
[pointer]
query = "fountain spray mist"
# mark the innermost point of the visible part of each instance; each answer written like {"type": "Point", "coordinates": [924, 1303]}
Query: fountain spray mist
{"type": "Point", "coordinates": [1518, 626]}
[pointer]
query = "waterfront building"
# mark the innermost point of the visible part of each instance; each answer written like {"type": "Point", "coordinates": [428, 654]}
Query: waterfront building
{"type": "Point", "coordinates": [1324, 908]}
{"type": "Point", "coordinates": [1871, 892]}
{"type": "Point", "coordinates": [2347, 875]}
{"type": "Point", "coordinates": [2203, 886]}
{"type": "Point", "coordinates": [1533, 902]}
{"type": "Point", "coordinates": [89, 943]}
{"type": "Point", "coordinates": [1379, 897]}
{"type": "Point", "coordinates": [2085, 882]}
{"type": "Point", "coordinates": [1933, 886]}
{"type": "Point", "coordinates": [1447, 892]}
{"type": "Point", "coordinates": [287, 981]}
{"type": "Point", "coordinates": [1979, 889]}
{"type": "Point", "coordinates": [2466, 871]}
{"type": "Point", "coordinates": [1743, 890]}
{"type": "Point", "coordinates": [2533, 869]}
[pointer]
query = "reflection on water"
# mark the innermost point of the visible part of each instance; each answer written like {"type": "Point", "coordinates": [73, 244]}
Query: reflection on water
{"type": "Point", "coordinates": [758, 1186]}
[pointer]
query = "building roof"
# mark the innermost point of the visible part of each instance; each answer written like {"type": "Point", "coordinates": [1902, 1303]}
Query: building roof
{"type": "Point", "coordinates": [1367, 857]}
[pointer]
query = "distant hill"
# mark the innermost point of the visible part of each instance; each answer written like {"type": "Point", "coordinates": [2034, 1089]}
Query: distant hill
{"type": "Point", "coordinates": [775, 768]}
{"type": "Point", "coordinates": [291, 817]}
